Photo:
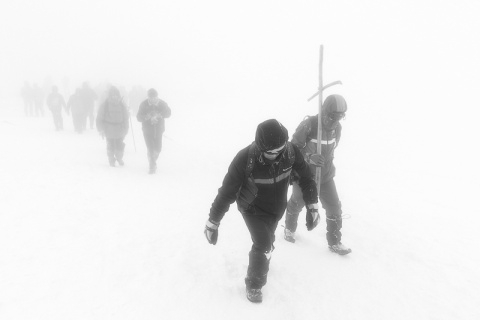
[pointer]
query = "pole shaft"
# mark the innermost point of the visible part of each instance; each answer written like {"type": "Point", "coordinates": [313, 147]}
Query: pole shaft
{"type": "Point", "coordinates": [318, 175]}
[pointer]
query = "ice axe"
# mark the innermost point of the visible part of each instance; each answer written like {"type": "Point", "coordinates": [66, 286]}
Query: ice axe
{"type": "Point", "coordinates": [321, 87]}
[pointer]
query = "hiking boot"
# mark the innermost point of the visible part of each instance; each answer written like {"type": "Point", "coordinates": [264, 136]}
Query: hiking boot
{"type": "Point", "coordinates": [289, 236]}
{"type": "Point", "coordinates": [340, 249]}
{"type": "Point", "coordinates": [120, 162]}
{"type": "Point", "coordinates": [254, 295]}
{"type": "Point", "coordinates": [112, 163]}
{"type": "Point", "coordinates": [153, 169]}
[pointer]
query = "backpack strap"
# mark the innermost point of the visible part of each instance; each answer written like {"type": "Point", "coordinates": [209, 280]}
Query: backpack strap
{"type": "Point", "coordinates": [290, 153]}
{"type": "Point", "coordinates": [252, 154]}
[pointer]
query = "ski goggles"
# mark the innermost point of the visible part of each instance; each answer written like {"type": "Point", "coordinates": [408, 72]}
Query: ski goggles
{"type": "Point", "coordinates": [336, 116]}
{"type": "Point", "coordinates": [277, 151]}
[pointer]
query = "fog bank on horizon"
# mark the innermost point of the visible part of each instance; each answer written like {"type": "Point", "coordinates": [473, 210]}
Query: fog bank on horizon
{"type": "Point", "coordinates": [251, 52]}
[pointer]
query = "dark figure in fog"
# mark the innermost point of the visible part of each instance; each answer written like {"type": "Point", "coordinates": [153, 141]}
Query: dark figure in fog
{"type": "Point", "coordinates": [113, 124]}
{"type": "Point", "coordinates": [37, 95]}
{"type": "Point", "coordinates": [88, 97]}
{"type": "Point", "coordinates": [55, 103]}
{"type": "Point", "coordinates": [79, 114]}
{"type": "Point", "coordinates": [306, 139]}
{"type": "Point", "coordinates": [152, 113]}
{"type": "Point", "coordinates": [27, 96]}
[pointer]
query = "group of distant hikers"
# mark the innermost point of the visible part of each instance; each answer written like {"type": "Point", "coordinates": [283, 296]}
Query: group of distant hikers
{"type": "Point", "coordinates": [112, 119]}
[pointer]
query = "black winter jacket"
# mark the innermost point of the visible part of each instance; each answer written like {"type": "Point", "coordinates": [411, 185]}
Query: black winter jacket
{"type": "Point", "coordinates": [271, 182]}
{"type": "Point", "coordinates": [305, 138]}
{"type": "Point", "coordinates": [146, 112]}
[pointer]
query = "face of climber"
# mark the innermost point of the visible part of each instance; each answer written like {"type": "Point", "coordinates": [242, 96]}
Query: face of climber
{"type": "Point", "coordinates": [331, 120]}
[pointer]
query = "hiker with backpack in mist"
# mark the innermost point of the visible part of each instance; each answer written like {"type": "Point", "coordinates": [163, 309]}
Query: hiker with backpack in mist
{"type": "Point", "coordinates": [152, 113]}
{"type": "Point", "coordinates": [258, 180]}
{"type": "Point", "coordinates": [56, 102]}
{"type": "Point", "coordinates": [305, 138]}
{"type": "Point", "coordinates": [113, 124]}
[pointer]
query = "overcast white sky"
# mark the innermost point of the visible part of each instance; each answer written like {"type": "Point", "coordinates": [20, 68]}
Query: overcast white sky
{"type": "Point", "coordinates": [221, 52]}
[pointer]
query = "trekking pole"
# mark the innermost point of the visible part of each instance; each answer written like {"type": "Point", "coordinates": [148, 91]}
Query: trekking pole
{"type": "Point", "coordinates": [133, 136]}
{"type": "Point", "coordinates": [131, 126]}
{"type": "Point", "coordinates": [321, 87]}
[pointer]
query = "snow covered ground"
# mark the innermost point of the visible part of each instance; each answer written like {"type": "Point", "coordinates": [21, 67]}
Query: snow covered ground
{"type": "Point", "coordinates": [82, 240]}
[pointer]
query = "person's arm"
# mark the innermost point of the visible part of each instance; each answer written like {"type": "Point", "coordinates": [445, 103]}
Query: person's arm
{"type": "Point", "coordinates": [166, 112]}
{"type": "Point", "coordinates": [100, 116]}
{"type": "Point", "coordinates": [307, 179]}
{"type": "Point", "coordinates": [232, 182]}
{"type": "Point", "coordinates": [142, 112]}
{"type": "Point", "coordinates": [227, 194]}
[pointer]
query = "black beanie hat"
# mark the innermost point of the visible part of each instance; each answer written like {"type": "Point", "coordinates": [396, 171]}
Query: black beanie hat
{"type": "Point", "coordinates": [270, 135]}
{"type": "Point", "coordinates": [334, 103]}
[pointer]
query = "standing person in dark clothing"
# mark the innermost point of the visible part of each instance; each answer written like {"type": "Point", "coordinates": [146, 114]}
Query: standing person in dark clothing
{"type": "Point", "coordinates": [55, 103]}
{"type": "Point", "coordinates": [305, 138]}
{"type": "Point", "coordinates": [38, 97]}
{"type": "Point", "coordinates": [77, 108]}
{"type": "Point", "coordinates": [258, 180]}
{"type": "Point", "coordinates": [88, 97]}
{"type": "Point", "coordinates": [27, 96]}
{"type": "Point", "coordinates": [152, 113]}
{"type": "Point", "coordinates": [112, 123]}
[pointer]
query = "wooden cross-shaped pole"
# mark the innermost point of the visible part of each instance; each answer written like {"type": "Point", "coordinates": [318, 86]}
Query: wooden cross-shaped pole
{"type": "Point", "coordinates": [321, 87]}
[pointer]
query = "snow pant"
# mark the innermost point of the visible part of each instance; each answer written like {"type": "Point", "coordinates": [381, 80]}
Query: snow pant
{"type": "Point", "coordinates": [39, 109]}
{"type": "Point", "coordinates": [153, 140]}
{"type": "Point", "coordinates": [331, 204]}
{"type": "Point", "coordinates": [115, 149]}
{"type": "Point", "coordinates": [90, 116]}
{"type": "Point", "coordinates": [262, 231]}
{"type": "Point", "coordinates": [28, 107]}
{"type": "Point", "coordinates": [57, 118]}
{"type": "Point", "coordinates": [79, 121]}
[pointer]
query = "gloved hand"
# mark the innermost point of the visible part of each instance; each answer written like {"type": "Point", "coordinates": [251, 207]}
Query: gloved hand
{"type": "Point", "coordinates": [312, 216]}
{"type": "Point", "coordinates": [211, 231]}
{"type": "Point", "coordinates": [316, 159]}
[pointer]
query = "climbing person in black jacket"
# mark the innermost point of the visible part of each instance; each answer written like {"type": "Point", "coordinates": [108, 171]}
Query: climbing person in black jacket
{"type": "Point", "coordinates": [258, 180]}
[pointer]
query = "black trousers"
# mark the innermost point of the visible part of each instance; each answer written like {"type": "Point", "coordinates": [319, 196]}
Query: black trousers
{"type": "Point", "coordinates": [153, 141]}
{"type": "Point", "coordinates": [262, 231]}
{"type": "Point", "coordinates": [115, 149]}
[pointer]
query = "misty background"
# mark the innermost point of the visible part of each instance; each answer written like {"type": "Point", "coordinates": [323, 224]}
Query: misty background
{"type": "Point", "coordinates": [410, 69]}
{"type": "Point", "coordinates": [407, 165]}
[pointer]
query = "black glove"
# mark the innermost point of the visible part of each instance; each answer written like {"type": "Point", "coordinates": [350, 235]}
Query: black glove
{"type": "Point", "coordinates": [312, 216]}
{"type": "Point", "coordinates": [211, 231]}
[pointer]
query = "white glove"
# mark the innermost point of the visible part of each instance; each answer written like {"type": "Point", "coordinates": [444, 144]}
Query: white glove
{"type": "Point", "coordinates": [312, 216]}
{"type": "Point", "coordinates": [211, 231]}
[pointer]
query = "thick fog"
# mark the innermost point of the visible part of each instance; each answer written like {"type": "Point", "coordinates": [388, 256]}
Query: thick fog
{"type": "Point", "coordinates": [415, 61]}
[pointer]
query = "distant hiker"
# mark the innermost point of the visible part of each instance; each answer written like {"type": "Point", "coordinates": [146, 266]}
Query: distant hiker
{"type": "Point", "coordinates": [77, 108]}
{"type": "Point", "coordinates": [113, 124]}
{"type": "Point", "coordinates": [55, 103]}
{"type": "Point", "coordinates": [152, 113]}
{"type": "Point", "coordinates": [88, 97]}
{"type": "Point", "coordinates": [37, 95]}
{"type": "Point", "coordinates": [258, 180]}
{"type": "Point", "coordinates": [27, 96]}
{"type": "Point", "coordinates": [305, 138]}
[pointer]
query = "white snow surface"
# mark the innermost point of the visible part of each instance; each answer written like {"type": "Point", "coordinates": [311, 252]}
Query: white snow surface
{"type": "Point", "coordinates": [82, 240]}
